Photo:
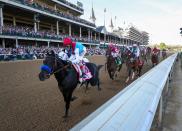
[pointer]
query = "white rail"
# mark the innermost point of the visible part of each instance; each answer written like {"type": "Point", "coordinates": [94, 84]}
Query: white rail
{"type": "Point", "coordinates": [132, 109]}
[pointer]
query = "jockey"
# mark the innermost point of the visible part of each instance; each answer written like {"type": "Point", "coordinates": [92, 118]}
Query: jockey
{"type": "Point", "coordinates": [128, 51]}
{"type": "Point", "coordinates": [78, 52]}
{"type": "Point", "coordinates": [155, 51]}
{"type": "Point", "coordinates": [136, 51]}
{"type": "Point", "coordinates": [115, 53]}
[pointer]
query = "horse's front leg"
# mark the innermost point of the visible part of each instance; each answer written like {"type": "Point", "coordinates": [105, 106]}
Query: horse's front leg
{"type": "Point", "coordinates": [86, 87]}
{"type": "Point", "coordinates": [133, 75]}
{"type": "Point", "coordinates": [129, 74]}
{"type": "Point", "coordinates": [120, 66]}
{"type": "Point", "coordinates": [146, 59]}
{"type": "Point", "coordinates": [68, 98]}
{"type": "Point", "coordinates": [110, 74]}
{"type": "Point", "coordinates": [98, 85]}
{"type": "Point", "coordinates": [139, 71]}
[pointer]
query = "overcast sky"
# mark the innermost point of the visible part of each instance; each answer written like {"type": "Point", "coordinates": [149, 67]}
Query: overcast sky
{"type": "Point", "coordinates": [160, 18]}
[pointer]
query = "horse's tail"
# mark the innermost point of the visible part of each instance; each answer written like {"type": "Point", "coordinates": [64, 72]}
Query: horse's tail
{"type": "Point", "coordinates": [99, 67]}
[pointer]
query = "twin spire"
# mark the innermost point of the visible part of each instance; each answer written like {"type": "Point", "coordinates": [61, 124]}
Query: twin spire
{"type": "Point", "coordinates": [92, 17]}
{"type": "Point", "coordinates": [111, 25]}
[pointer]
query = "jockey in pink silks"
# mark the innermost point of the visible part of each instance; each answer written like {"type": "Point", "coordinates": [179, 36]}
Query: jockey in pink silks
{"type": "Point", "coordinates": [115, 53]}
{"type": "Point", "coordinates": [76, 58]}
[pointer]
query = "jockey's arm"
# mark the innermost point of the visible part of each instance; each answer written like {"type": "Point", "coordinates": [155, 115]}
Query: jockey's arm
{"type": "Point", "coordinates": [78, 56]}
{"type": "Point", "coordinates": [74, 58]}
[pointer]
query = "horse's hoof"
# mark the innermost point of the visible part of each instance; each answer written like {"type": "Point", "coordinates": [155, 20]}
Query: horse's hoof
{"type": "Point", "coordinates": [126, 81]}
{"type": "Point", "coordinates": [74, 98]}
{"type": "Point", "coordinates": [65, 116]}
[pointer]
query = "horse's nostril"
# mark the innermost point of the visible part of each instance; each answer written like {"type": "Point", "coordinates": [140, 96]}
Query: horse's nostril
{"type": "Point", "coordinates": [41, 78]}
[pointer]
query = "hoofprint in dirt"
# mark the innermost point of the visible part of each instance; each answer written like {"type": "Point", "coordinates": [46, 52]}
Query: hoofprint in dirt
{"type": "Point", "coordinates": [28, 104]}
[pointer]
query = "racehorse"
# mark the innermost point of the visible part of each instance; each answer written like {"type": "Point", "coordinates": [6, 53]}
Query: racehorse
{"type": "Point", "coordinates": [148, 53]}
{"type": "Point", "coordinates": [154, 59]}
{"type": "Point", "coordinates": [111, 65]}
{"type": "Point", "coordinates": [66, 76]}
{"type": "Point", "coordinates": [144, 55]}
{"type": "Point", "coordinates": [164, 54]}
{"type": "Point", "coordinates": [133, 65]}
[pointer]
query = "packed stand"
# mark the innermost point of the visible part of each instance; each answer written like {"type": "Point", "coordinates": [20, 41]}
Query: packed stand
{"type": "Point", "coordinates": [70, 4]}
{"type": "Point", "coordinates": [24, 31]}
{"type": "Point", "coordinates": [52, 11]}
{"type": "Point", "coordinates": [30, 53]}
{"type": "Point", "coordinates": [29, 32]}
{"type": "Point", "coordinates": [95, 51]}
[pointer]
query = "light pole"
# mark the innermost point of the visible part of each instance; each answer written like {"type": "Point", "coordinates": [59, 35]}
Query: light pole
{"type": "Point", "coordinates": [104, 16]}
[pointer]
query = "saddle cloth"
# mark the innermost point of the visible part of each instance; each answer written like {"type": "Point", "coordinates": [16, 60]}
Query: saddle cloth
{"type": "Point", "coordinates": [86, 74]}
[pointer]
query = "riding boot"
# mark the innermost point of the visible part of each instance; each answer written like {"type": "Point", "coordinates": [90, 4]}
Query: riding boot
{"type": "Point", "coordinates": [80, 73]}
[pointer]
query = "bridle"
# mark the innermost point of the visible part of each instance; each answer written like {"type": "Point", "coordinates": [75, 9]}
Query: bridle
{"type": "Point", "coordinates": [56, 66]}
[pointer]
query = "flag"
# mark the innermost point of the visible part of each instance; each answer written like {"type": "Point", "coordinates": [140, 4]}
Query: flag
{"type": "Point", "coordinates": [105, 10]}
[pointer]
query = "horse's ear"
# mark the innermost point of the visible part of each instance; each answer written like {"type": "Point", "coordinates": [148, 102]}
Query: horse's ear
{"type": "Point", "coordinates": [47, 52]}
{"type": "Point", "coordinates": [52, 53]}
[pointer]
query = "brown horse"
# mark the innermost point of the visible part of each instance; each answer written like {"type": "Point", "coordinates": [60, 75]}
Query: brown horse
{"type": "Point", "coordinates": [148, 53]}
{"type": "Point", "coordinates": [154, 59]}
{"type": "Point", "coordinates": [111, 65]}
{"type": "Point", "coordinates": [134, 67]}
{"type": "Point", "coordinates": [144, 55]}
{"type": "Point", "coordinates": [164, 54]}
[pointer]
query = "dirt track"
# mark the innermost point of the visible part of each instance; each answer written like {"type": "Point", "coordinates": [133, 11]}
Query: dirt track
{"type": "Point", "coordinates": [26, 104]}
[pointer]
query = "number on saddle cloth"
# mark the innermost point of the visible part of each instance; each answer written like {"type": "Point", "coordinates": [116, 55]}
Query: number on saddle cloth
{"type": "Point", "coordinates": [86, 74]}
{"type": "Point", "coordinates": [118, 60]}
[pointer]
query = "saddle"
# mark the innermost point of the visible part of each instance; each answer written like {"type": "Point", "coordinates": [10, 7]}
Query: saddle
{"type": "Point", "coordinates": [86, 74]}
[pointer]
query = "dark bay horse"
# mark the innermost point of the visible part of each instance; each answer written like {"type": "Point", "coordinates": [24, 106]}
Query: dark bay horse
{"type": "Point", "coordinates": [154, 59]}
{"type": "Point", "coordinates": [133, 65]}
{"type": "Point", "coordinates": [144, 55]}
{"type": "Point", "coordinates": [164, 54]}
{"type": "Point", "coordinates": [66, 76]}
{"type": "Point", "coordinates": [148, 53]}
{"type": "Point", "coordinates": [111, 65]}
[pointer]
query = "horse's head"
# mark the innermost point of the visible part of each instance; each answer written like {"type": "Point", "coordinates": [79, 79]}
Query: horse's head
{"type": "Point", "coordinates": [51, 64]}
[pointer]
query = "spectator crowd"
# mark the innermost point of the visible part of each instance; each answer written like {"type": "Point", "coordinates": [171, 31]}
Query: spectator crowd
{"type": "Point", "coordinates": [25, 31]}
{"type": "Point", "coordinates": [29, 53]}
{"type": "Point", "coordinates": [56, 12]}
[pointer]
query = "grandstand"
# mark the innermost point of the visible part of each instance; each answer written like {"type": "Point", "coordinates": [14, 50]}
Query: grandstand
{"type": "Point", "coordinates": [48, 22]}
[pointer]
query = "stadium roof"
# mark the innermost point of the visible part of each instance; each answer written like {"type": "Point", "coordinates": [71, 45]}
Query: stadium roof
{"type": "Point", "coordinates": [101, 29]}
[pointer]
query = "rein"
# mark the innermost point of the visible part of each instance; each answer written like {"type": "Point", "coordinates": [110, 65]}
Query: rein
{"type": "Point", "coordinates": [64, 67]}
{"type": "Point", "coordinates": [59, 69]}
